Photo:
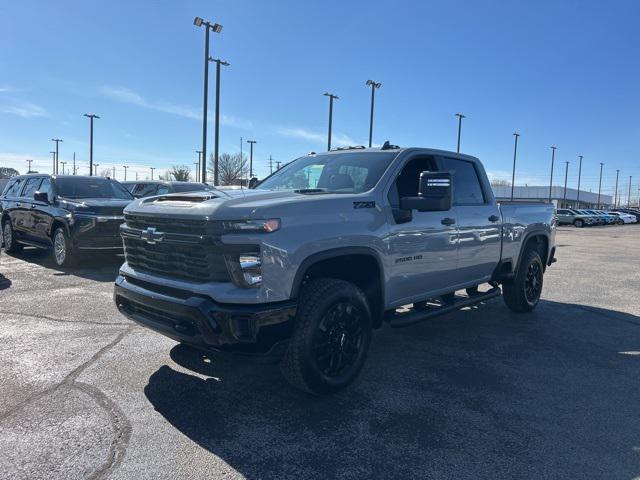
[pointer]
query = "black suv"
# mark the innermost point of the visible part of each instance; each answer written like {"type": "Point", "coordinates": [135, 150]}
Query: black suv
{"type": "Point", "coordinates": [148, 188]}
{"type": "Point", "coordinates": [68, 214]}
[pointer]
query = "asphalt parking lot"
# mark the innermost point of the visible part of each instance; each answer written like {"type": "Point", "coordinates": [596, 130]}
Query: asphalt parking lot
{"type": "Point", "coordinates": [482, 393]}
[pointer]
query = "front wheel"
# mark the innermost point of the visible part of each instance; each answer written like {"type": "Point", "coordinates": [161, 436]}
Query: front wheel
{"type": "Point", "coordinates": [579, 223]}
{"type": "Point", "coordinates": [63, 253]}
{"type": "Point", "coordinates": [331, 337]}
{"type": "Point", "coordinates": [9, 238]}
{"type": "Point", "coordinates": [523, 292]}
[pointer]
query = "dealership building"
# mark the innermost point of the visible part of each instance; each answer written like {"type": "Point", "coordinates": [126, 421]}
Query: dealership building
{"type": "Point", "coordinates": [570, 199]}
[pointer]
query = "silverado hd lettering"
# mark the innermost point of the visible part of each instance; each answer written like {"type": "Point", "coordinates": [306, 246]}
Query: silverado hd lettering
{"type": "Point", "coordinates": [325, 250]}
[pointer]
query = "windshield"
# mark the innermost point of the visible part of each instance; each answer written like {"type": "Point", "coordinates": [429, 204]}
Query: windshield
{"type": "Point", "coordinates": [334, 173]}
{"type": "Point", "coordinates": [90, 187]}
{"type": "Point", "coordinates": [190, 187]}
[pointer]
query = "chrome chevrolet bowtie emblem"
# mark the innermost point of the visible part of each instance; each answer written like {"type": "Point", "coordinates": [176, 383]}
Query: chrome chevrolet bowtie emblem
{"type": "Point", "coordinates": [151, 236]}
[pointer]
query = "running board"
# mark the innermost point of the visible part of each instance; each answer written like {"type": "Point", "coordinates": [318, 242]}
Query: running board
{"type": "Point", "coordinates": [414, 316]}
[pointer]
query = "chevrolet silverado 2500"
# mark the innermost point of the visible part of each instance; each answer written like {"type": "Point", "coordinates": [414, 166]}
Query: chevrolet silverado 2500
{"type": "Point", "coordinates": [327, 249]}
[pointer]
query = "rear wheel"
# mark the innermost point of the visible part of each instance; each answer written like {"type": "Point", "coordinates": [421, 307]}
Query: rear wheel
{"type": "Point", "coordinates": [10, 244]}
{"type": "Point", "coordinates": [331, 337]}
{"type": "Point", "coordinates": [63, 252]}
{"type": "Point", "coordinates": [578, 223]}
{"type": "Point", "coordinates": [523, 292]}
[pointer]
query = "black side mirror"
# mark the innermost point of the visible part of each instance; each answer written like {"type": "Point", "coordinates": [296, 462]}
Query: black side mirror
{"type": "Point", "coordinates": [434, 194]}
{"type": "Point", "coordinates": [41, 197]}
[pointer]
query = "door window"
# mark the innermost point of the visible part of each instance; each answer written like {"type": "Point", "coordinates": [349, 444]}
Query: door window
{"type": "Point", "coordinates": [45, 187]}
{"type": "Point", "coordinates": [145, 189]}
{"type": "Point", "coordinates": [407, 184]}
{"type": "Point", "coordinates": [31, 187]}
{"type": "Point", "coordinates": [14, 190]}
{"type": "Point", "coordinates": [466, 184]}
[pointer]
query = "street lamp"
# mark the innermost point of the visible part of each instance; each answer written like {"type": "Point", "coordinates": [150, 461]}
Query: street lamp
{"type": "Point", "coordinates": [566, 175]}
{"type": "Point", "coordinates": [217, 28]}
{"type": "Point", "coordinates": [515, 153]}
{"type": "Point", "coordinates": [460, 117]}
{"type": "Point", "coordinates": [373, 86]}
{"type": "Point", "coordinates": [63, 164]}
{"type": "Point", "coordinates": [29, 162]}
{"type": "Point", "coordinates": [251, 142]}
{"type": "Point", "coordinates": [332, 97]}
{"type": "Point", "coordinates": [53, 168]}
{"type": "Point", "coordinates": [553, 157]}
{"type": "Point", "coordinates": [152, 169]}
{"type": "Point", "coordinates": [217, 128]}
{"type": "Point", "coordinates": [91, 117]}
{"type": "Point", "coordinates": [198, 165]}
{"type": "Point", "coordinates": [55, 163]}
{"type": "Point", "coordinates": [600, 184]}
{"type": "Point", "coordinates": [629, 196]}
{"type": "Point", "coordinates": [125, 171]}
{"type": "Point", "coordinates": [579, 176]}
{"type": "Point", "coordinates": [615, 197]}
{"type": "Point", "coordinates": [96, 165]}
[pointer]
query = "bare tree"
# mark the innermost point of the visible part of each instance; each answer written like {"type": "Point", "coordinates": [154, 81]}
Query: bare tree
{"type": "Point", "coordinates": [500, 183]}
{"type": "Point", "coordinates": [181, 173]}
{"type": "Point", "coordinates": [232, 168]}
{"type": "Point", "coordinates": [8, 172]}
{"type": "Point", "coordinates": [106, 172]}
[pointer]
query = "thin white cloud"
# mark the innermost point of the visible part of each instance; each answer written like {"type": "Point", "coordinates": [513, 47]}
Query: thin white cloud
{"type": "Point", "coordinates": [338, 139]}
{"type": "Point", "coordinates": [25, 110]}
{"type": "Point", "coordinates": [126, 95]}
{"type": "Point", "coordinates": [6, 88]}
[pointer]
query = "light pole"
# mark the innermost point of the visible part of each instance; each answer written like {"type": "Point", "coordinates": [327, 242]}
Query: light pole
{"type": "Point", "coordinates": [125, 171]}
{"type": "Point", "coordinates": [270, 164]}
{"type": "Point", "coordinates": [579, 176]}
{"type": "Point", "coordinates": [217, 28]}
{"type": "Point", "coordinates": [217, 128]}
{"type": "Point", "coordinates": [615, 197]}
{"type": "Point", "coordinates": [629, 196]}
{"type": "Point", "coordinates": [566, 175]}
{"type": "Point", "coordinates": [152, 169]}
{"type": "Point", "coordinates": [63, 164]}
{"type": "Point", "coordinates": [600, 184]}
{"type": "Point", "coordinates": [332, 97]}
{"type": "Point", "coordinates": [91, 117]}
{"type": "Point", "coordinates": [460, 117]}
{"type": "Point", "coordinates": [74, 163]}
{"type": "Point", "coordinates": [29, 162]}
{"type": "Point", "coordinates": [373, 86]}
{"type": "Point", "coordinates": [55, 163]}
{"type": "Point", "coordinates": [114, 172]}
{"type": "Point", "coordinates": [96, 165]}
{"type": "Point", "coordinates": [251, 142]}
{"type": "Point", "coordinates": [515, 153]}
{"type": "Point", "coordinates": [53, 168]}
{"type": "Point", "coordinates": [553, 157]}
{"type": "Point", "coordinates": [199, 166]}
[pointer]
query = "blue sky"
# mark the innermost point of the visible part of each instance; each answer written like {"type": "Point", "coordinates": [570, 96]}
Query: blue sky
{"type": "Point", "coordinates": [563, 73]}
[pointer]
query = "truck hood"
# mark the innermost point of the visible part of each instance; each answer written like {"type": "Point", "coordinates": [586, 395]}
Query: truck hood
{"type": "Point", "coordinates": [94, 206]}
{"type": "Point", "coordinates": [227, 204]}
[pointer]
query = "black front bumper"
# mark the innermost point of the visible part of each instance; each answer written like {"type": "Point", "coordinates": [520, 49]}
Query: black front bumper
{"type": "Point", "coordinates": [201, 322]}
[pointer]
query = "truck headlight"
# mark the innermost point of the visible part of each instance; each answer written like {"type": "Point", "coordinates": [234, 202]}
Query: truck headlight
{"type": "Point", "coordinates": [257, 226]}
{"type": "Point", "coordinates": [245, 269]}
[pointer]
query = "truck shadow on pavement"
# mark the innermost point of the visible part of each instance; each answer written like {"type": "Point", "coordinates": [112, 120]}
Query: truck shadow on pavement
{"type": "Point", "coordinates": [482, 393]}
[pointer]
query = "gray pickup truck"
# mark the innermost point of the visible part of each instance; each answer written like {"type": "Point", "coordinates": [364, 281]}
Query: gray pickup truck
{"type": "Point", "coordinates": [325, 250]}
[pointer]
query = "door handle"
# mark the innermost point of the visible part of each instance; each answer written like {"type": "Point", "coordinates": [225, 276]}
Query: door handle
{"type": "Point", "coordinates": [18, 204]}
{"type": "Point", "coordinates": [494, 218]}
{"type": "Point", "coordinates": [448, 221]}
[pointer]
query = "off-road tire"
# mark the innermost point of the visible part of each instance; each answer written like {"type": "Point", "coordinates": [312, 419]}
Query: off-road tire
{"type": "Point", "coordinates": [9, 238]}
{"type": "Point", "coordinates": [517, 293]}
{"type": "Point", "coordinates": [317, 305]}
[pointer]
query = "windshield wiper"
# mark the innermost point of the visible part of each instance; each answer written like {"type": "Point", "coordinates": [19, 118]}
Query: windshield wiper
{"type": "Point", "coordinates": [311, 190]}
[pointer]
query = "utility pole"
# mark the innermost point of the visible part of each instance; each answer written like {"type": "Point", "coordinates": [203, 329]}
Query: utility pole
{"type": "Point", "coordinates": [515, 153]}
{"type": "Point", "coordinates": [241, 162]}
{"type": "Point", "coordinates": [63, 164]}
{"type": "Point", "coordinates": [55, 166]}
{"type": "Point", "coordinates": [553, 157]}
{"type": "Point", "coordinates": [460, 117]}
{"type": "Point", "coordinates": [600, 184]}
{"type": "Point", "coordinates": [270, 165]}
{"type": "Point", "coordinates": [615, 197]}
{"type": "Point", "coordinates": [74, 163]}
{"type": "Point", "coordinates": [125, 171]}
{"type": "Point", "coordinates": [217, 28]}
{"type": "Point", "coordinates": [199, 166]}
{"type": "Point", "coordinates": [566, 175]}
{"type": "Point", "coordinates": [251, 142]}
{"type": "Point", "coordinates": [152, 169]}
{"type": "Point", "coordinates": [332, 97]}
{"type": "Point", "coordinates": [373, 86]}
{"type": "Point", "coordinates": [29, 162]}
{"type": "Point", "coordinates": [579, 176]}
{"type": "Point", "coordinates": [91, 117]}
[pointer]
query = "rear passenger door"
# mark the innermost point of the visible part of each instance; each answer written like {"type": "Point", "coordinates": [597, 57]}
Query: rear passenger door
{"type": "Point", "coordinates": [28, 205]}
{"type": "Point", "coordinates": [478, 220]}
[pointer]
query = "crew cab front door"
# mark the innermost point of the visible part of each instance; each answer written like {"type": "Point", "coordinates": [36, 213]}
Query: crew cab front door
{"type": "Point", "coordinates": [422, 245]}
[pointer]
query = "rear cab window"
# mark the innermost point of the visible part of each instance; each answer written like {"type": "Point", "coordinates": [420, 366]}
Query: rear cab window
{"type": "Point", "coordinates": [466, 183]}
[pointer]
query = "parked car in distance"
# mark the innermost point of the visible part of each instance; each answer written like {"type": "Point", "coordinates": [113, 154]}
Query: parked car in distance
{"type": "Point", "coordinates": [597, 219]}
{"type": "Point", "coordinates": [624, 217]}
{"type": "Point", "coordinates": [326, 249]}
{"type": "Point", "coordinates": [149, 188]}
{"type": "Point", "coordinates": [64, 213]}
{"type": "Point", "coordinates": [567, 216]}
{"type": "Point", "coordinates": [608, 219]}
{"type": "Point", "coordinates": [630, 211]}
